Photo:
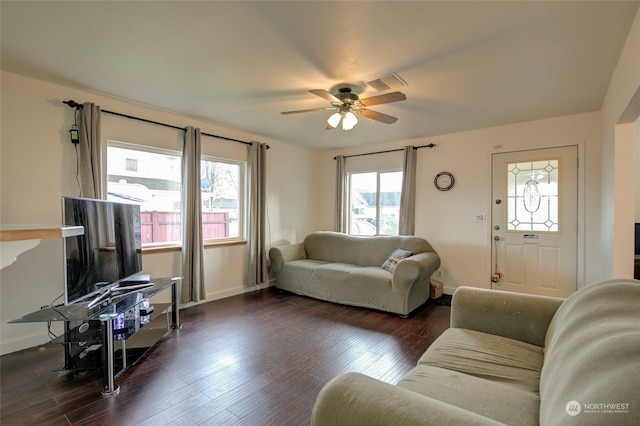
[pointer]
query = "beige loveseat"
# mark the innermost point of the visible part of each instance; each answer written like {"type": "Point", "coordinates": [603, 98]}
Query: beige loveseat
{"type": "Point", "coordinates": [348, 269]}
{"type": "Point", "coordinates": [511, 359]}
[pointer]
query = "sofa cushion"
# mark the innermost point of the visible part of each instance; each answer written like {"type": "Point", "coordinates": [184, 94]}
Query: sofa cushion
{"type": "Point", "coordinates": [353, 275]}
{"type": "Point", "coordinates": [592, 357]}
{"type": "Point", "coordinates": [487, 356]}
{"type": "Point", "coordinates": [299, 273]}
{"type": "Point", "coordinates": [498, 401]}
{"type": "Point", "coordinates": [396, 256]}
{"type": "Point", "coordinates": [356, 285]}
{"type": "Point", "coordinates": [353, 399]}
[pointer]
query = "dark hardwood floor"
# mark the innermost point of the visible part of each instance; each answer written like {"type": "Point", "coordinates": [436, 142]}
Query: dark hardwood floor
{"type": "Point", "coordinates": [254, 359]}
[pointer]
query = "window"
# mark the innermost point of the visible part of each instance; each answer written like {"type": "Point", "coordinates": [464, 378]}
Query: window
{"type": "Point", "coordinates": [375, 202]}
{"type": "Point", "coordinates": [222, 198]}
{"type": "Point", "coordinates": [131, 164]}
{"type": "Point", "coordinates": [155, 183]}
{"type": "Point", "coordinates": [533, 196]}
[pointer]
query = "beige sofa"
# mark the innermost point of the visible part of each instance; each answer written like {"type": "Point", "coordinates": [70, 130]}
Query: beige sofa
{"type": "Point", "coordinates": [348, 269]}
{"type": "Point", "coordinates": [511, 359]}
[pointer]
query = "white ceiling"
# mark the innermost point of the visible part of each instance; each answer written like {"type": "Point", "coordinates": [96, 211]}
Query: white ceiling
{"type": "Point", "coordinates": [468, 65]}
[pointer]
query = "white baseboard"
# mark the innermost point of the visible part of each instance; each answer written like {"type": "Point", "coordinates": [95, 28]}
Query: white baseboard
{"type": "Point", "coordinates": [217, 295]}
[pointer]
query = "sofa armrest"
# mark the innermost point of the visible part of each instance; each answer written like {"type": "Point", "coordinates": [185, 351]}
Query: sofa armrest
{"type": "Point", "coordinates": [282, 254]}
{"type": "Point", "coordinates": [408, 270]}
{"type": "Point", "coordinates": [517, 316]}
{"type": "Point", "coordinates": [355, 399]}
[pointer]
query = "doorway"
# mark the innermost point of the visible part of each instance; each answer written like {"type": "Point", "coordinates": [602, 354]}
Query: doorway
{"type": "Point", "coordinates": [534, 218]}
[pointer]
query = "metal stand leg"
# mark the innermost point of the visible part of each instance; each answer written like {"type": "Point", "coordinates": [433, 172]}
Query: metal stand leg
{"type": "Point", "coordinates": [109, 386]}
{"type": "Point", "coordinates": [175, 315]}
{"type": "Point", "coordinates": [123, 346]}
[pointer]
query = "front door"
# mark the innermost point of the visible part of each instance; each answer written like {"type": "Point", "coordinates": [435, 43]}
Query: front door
{"type": "Point", "coordinates": [535, 221]}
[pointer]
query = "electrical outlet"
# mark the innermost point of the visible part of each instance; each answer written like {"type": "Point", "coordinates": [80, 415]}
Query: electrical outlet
{"type": "Point", "coordinates": [440, 274]}
{"type": "Point", "coordinates": [481, 218]}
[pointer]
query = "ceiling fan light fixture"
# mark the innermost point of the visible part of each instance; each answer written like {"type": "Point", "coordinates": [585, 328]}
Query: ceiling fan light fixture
{"type": "Point", "coordinates": [334, 120]}
{"type": "Point", "coordinates": [349, 121]}
{"type": "Point", "coordinates": [347, 105]}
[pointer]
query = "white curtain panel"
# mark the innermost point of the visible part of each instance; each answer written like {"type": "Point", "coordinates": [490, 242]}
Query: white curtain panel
{"type": "Point", "coordinates": [257, 251]}
{"type": "Point", "coordinates": [90, 151]}
{"type": "Point", "coordinates": [342, 205]}
{"type": "Point", "coordinates": [193, 288]}
{"type": "Point", "coordinates": [408, 198]}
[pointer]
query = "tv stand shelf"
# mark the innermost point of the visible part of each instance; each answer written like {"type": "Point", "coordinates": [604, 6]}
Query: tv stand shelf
{"type": "Point", "coordinates": [76, 335]}
{"type": "Point", "coordinates": [113, 335]}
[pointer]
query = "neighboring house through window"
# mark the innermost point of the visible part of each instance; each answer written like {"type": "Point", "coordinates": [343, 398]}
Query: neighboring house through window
{"type": "Point", "coordinates": [151, 177]}
{"type": "Point", "coordinates": [374, 202]}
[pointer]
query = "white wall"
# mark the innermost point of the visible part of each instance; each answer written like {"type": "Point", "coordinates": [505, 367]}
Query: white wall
{"type": "Point", "coordinates": [447, 219]}
{"type": "Point", "coordinates": [291, 209]}
{"type": "Point", "coordinates": [624, 197]}
{"type": "Point", "coordinates": [619, 108]}
{"type": "Point", "coordinates": [637, 166]}
{"type": "Point", "coordinates": [38, 167]}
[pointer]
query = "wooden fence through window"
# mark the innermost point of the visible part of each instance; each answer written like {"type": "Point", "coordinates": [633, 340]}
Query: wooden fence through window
{"type": "Point", "coordinates": [158, 227]}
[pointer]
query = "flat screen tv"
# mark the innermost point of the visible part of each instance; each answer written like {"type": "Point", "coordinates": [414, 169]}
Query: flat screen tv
{"type": "Point", "coordinates": [110, 249]}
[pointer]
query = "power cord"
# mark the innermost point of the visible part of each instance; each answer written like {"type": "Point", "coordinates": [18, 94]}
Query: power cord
{"type": "Point", "coordinates": [52, 305]}
{"type": "Point", "coordinates": [78, 170]}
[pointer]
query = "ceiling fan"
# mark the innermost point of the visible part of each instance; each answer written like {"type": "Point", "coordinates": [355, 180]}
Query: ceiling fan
{"type": "Point", "coordinates": [347, 106]}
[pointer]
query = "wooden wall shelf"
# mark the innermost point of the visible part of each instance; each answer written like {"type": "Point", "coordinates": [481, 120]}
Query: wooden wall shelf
{"type": "Point", "coordinates": [17, 239]}
{"type": "Point", "coordinates": [37, 232]}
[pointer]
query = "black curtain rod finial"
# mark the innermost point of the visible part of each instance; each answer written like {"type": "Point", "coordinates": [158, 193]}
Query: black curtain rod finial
{"type": "Point", "coordinates": [73, 104]}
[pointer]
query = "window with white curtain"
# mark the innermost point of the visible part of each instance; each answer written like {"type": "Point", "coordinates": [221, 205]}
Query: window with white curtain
{"type": "Point", "coordinates": [374, 199]}
{"type": "Point", "coordinates": [151, 177]}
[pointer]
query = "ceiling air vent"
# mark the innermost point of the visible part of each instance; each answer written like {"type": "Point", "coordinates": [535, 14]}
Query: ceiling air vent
{"type": "Point", "coordinates": [387, 82]}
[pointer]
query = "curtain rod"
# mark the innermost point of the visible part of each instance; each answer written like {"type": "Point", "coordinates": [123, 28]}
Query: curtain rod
{"type": "Point", "coordinates": [431, 145]}
{"type": "Point", "coordinates": [74, 104]}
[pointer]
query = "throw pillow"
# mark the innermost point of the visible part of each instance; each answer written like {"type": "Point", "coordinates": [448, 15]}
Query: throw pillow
{"type": "Point", "coordinates": [396, 256]}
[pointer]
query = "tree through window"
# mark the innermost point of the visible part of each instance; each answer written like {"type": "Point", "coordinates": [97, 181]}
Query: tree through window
{"type": "Point", "coordinates": [374, 202]}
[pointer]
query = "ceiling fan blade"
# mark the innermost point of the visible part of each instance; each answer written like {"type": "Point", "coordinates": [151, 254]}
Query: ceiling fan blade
{"type": "Point", "coordinates": [325, 95]}
{"type": "Point", "coordinates": [378, 116]}
{"type": "Point", "coordinates": [306, 110]}
{"type": "Point", "coordinates": [384, 99]}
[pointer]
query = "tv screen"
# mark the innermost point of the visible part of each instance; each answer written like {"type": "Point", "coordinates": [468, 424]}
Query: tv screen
{"type": "Point", "coordinates": [109, 250]}
{"type": "Point", "coordinates": [637, 244]}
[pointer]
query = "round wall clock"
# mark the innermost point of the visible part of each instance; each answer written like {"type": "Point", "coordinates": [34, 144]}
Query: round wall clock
{"type": "Point", "coordinates": [444, 181]}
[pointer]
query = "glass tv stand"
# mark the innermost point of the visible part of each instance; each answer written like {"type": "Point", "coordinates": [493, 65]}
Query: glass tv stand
{"type": "Point", "coordinates": [92, 329]}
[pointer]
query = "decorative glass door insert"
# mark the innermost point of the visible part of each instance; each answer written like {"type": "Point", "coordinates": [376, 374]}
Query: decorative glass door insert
{"type": "Point", "coordinates": [533, 196]}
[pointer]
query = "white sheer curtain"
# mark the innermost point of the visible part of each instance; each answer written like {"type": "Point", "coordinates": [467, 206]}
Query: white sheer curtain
{"type": "Point", "coordinates": [408, 198]}
{"type": "Point", "coordinates": [193, 288]}
{"type": "Point", "coordinates": [342, 204]}
{"type": "Point", "coordinates": [90, 151]}
{"type": "Point", "coordinates": [257, 250]}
